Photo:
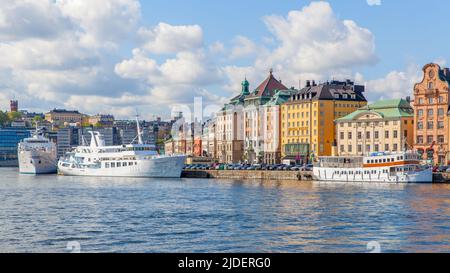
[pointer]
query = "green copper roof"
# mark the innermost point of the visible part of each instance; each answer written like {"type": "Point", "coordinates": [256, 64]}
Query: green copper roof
{"type": "Point", "coordinates": [280, 97]}
{"type": "Point", "coordinates": [395, 108]}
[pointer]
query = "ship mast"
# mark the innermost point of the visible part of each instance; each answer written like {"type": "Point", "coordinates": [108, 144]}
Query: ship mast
{"type": "Point", "coordinates": [139, 130]}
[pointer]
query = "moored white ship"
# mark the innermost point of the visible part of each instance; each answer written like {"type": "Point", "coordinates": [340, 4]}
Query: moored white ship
{"type": "Point", "coordinates": [133, 160]}
{"type": "Point", "coordinates": [403, 167]}
{"type": "Point", "coordinates": [37, 155]}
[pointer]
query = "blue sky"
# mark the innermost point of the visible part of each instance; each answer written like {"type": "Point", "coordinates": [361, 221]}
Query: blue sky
{"type": "Point", "coordinates": [405, 30]}
{"type": "Point", "coordinates": [118, 55]}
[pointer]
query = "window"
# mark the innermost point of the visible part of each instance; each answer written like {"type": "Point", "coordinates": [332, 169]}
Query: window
{"type": "Point", "coordinates": [386, 134]}
{"type": "Point", "coordinates": [359, 148]}
{"type": "Point", "coordinates": [441, 99]}
{"type": "Point", "coordinates": [376, 148]}
{"type": "Point", "coordinates": [395, 147]}
{"type": "Point", "coordinates": [342, 148]}
{"type": "Point", "coordinates": [430, 100]}
{"type": "Point", "coordinates": [367, 135]}
{"type": "Point", "coordinates": [405, 133]}
{"type": "Point", "coordinates": [440, 125]}
{"type": "Point", "coordinates": [395, 134]}
{"type": "Point", "coordinates": [430, 125]}
{"type": "Point", "coordinates": [440, 112]}
{"type": "Point", "coordinates": [420, 125]}
{"type": "Point", "coordinates": [420, 113]}
{"type": "Point", "coordinates": [429, 139]}
{"type": "Point", "coordinates": [349, 135]}
{"type": "Point", "coordinates": [419, 139]}
{"type": "Point", "coordinates": [441, 139]}
{"type": "Point", "coordinates": [113, 164]}
{"type": "Point", "coordinates": [376, 135]}
{"type": "Point", "coordinates": [420, 100]}
{"type": "Point", "coordinates": [430, 86]}
{"type": "Point", "coordinates": [359, 135]}
{"type": "Point", "coordinates": [368, 148]}
{"type": "Point", "coordinates": [107, 165]}
{"type": "Point", "coordinates": [350, 148]}
{"type": "Point", "coordinates": [430, 112]}
{"type": "Point", "coordinates": [386, 147]}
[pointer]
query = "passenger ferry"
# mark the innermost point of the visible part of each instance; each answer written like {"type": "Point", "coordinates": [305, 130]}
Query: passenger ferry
{"type": "Point", "coordinates": [133, 160]}
{"type": "Point", "coordinates": [37, 155]}
{"type": "Point", "coordinates": [404, 167]}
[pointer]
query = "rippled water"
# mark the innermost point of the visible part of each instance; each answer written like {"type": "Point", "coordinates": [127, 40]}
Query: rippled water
{"type": "Point", "coordinates": [44, 213]}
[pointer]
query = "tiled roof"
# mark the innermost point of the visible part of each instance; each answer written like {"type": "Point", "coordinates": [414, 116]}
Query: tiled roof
{"type": "Point", "coordinates": [334, 90]}
{"type": "Point", "coordinates": [268, 86]}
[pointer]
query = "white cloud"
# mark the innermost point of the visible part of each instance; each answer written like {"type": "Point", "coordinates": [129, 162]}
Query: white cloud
{"type": "Point", "coordinates": [396, 84]}
{"type": "Point", "coordinates": [244, 47]}
{"type": "Point", "coordinates": [313, 44]}
{"type": "Point", "coordinates": [374, 2]}
{"type": "Point", "coordinates": [165, 38]}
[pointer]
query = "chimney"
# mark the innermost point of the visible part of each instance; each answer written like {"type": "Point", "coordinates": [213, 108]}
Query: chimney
{"type": "Point", "coordinates": [308, 83]}
{"type": "Point", "coordinates": [447, 73]}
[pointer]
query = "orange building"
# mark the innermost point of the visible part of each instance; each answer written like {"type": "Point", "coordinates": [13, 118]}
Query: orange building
{"type": "Point", "coordinates": [431, 117]}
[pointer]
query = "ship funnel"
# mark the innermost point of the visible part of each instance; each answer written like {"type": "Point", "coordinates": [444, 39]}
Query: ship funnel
{"type": "Point", "coordinates": [100, 139]}
{"type": "Point", "coordinates": [94, 142]}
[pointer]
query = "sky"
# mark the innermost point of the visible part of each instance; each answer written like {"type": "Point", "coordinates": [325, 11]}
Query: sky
{"type": "Point", "coordinates": [123, 56]}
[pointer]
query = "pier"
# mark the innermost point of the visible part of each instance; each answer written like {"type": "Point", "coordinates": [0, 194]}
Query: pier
{"type": "Point", "coordinates": [251, 174]}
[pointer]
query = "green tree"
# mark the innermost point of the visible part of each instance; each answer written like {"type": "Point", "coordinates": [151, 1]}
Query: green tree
{"type": "Point", "coordinates": [14, 115]}
{"type": "Point", "coordinates": [3, 118]}
{"type": "Point", "coordinates": [37, 119]}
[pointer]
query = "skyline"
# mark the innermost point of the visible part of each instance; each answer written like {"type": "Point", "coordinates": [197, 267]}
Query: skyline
{"type": "Point", "coordinates": [147, 55]}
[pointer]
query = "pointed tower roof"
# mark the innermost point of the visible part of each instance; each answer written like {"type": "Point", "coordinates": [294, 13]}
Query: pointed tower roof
{"type": "Point", "coordinates": [268, 86]}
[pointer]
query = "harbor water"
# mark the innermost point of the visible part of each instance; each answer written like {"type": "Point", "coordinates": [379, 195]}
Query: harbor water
{"type": "Point", "coordinates": [49, 213]}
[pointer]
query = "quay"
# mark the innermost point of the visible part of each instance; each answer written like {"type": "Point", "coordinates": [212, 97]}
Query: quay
{"type": "Point", "coordinates": [248, 175]}
{"type": "Point", "coordinates": [273, 175]}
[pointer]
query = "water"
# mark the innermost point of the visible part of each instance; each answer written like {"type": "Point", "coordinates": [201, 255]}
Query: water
{"type": "Point", "coordinates": [44, 213]}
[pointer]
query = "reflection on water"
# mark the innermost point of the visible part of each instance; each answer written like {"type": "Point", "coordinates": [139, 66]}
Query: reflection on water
{"type": "Point", "coordinates": [42, 214]}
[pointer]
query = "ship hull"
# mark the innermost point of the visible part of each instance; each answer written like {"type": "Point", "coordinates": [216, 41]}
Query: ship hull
{"type": "Point", "coordinates": [157, 167]}
{"type": "Point", "coordinates": [37, 162]}
{"type": "Point", "coordinates": [329, 175]}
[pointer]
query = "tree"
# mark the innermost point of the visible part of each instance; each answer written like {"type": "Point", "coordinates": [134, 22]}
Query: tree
{"type": "Point", "coordinates": [14, 115]}
{"type": "Point", "coordinates": [3, 118]}
{"type": "Point", "coordinates": [37, 120]}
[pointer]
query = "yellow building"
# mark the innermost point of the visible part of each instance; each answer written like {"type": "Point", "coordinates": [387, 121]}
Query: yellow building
{"type": "Point", "coordinates": [384, 126]}
{"type": "Point", "coordinates": [307, 118]}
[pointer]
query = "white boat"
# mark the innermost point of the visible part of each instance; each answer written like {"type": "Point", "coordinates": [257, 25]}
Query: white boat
{"type": "Point", "coordinates": [37, 155]}
{"type": "Point", "coordinates": [403, 167]}
{"type": "Point", "coordinates": [133, 160]}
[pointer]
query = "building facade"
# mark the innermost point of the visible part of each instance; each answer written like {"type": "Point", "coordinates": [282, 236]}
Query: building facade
{"type": "Point", "coordinates": [61, 117]}
{"type": "Point", "coordinates": [272, 129]}
{"type": "Point", "coordinates": [431, 114]}
{"type": "Point", "coordinates": [384, 126]}
{"type": "Point", "coordinates": [307, 118]}
{"type": "Point", "coordinates": [254, 124]}
{"type": "Point", "coordinates": [230, 128]}
{"type": "Point", "coordinates": [9, 140]}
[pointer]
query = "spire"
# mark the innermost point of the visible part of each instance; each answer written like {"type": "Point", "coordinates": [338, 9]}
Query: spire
{"type": "Point", "coordinates": [245, 87]}
{"type": "Point", "coordinates": [271, 71]}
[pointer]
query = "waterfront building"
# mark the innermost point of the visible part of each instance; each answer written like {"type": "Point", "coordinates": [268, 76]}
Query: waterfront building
{"type": "Point", "coordinates": [253, 117]}
{"type": "Point", "coordinates": [209, 141]}
{"type": "Point", "coordinates": [62, 117]}
{"type": "Point", "coordinates": [307, 118]}
{"type": "Point", "coordinates": [384, 126]}
{"type": "Point", "coordinates": [102, 120]}
{"type": "Point", "coordinates": [66, 139]}
{"type": "Point", "coordinates": [230, 128]}
{"type": "Point", "coordinates": [14, 106]}
{"type": "Point", "coordinates": [272, 128]}
{"type": "Point", "coordinates": [9, 140]}
{"type": "Point", "coordinates": [431, 114]}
